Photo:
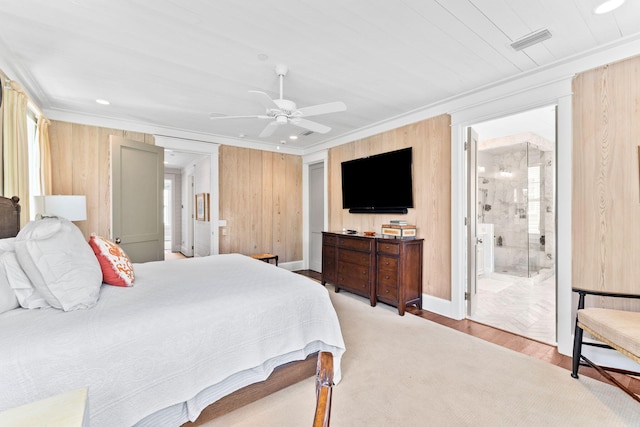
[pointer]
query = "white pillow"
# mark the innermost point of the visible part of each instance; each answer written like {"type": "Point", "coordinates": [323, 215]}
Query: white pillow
{"type": "Point", "coordinates": [8, 299]}
{"type": "Point", "coordinates": [59, 262]}
{"type": "Point", "coordinates": [8, 244]}
{"type": "Point", "coordinates": [27, 296]}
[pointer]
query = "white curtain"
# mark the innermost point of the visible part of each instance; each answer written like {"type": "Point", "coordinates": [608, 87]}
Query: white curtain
{"type": "Point", "coordinates": [45, 156]}
{"type": "Point", "coordinates": [16, 149]}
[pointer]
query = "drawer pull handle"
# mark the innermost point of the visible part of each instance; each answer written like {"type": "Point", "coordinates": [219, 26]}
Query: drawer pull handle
{"type": "Point", "coordinates": [387, 291]}
{"type": "Point", "coordinates": [386, 263]}
{"type": "Point", "coordinates": [386, 277]}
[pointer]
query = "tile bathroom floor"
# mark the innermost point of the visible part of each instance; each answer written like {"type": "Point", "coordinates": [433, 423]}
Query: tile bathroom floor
{"type": "Point", "coordinates": [524, 306]}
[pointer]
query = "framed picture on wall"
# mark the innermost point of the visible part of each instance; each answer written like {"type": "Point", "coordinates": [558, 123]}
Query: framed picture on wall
{"type": "Point", "coordinates": [202, 207]}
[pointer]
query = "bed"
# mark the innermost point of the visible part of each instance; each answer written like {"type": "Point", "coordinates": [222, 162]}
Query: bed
{"type": "Point", "coordinates": [185, 335]}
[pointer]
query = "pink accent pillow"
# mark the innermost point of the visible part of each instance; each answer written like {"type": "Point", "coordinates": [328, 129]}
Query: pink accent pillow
{"type": "Point", "coordinates": [116, 266]}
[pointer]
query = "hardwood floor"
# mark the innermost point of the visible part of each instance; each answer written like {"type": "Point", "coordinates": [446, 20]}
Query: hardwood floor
{"type": "Point", "coordinates": [537, 349]}
{"type": "Point", "coordinates": [168, 255]}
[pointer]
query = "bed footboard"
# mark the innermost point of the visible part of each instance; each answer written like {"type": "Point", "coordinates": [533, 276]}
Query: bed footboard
{"type": "Point", "coordinates": [283, 376]}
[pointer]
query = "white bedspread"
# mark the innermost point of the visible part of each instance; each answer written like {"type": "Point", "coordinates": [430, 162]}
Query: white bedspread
{"type": "Point", "coordinates": [184, 326]}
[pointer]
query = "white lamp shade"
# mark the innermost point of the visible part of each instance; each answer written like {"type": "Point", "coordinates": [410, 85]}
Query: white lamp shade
{"type": "Point", "coordinates": [73, 208]}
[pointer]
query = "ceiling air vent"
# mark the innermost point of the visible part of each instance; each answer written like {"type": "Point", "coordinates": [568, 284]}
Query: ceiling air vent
{"type": "Point", "coordinates": [307, 133]}
{"type": "Point", "coordinates": [531, 39]}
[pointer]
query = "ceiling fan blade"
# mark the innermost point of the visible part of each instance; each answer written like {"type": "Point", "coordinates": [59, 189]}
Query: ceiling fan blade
{"type": "Point", "coordinates": [316, 110]}
{"type": "Point", "coordinates": [269, 129]}
{"type": "Point", "coordinates": [240, 117]}
{"type": "Point", "coordinates": [264, 99]}
{"type": "Point", "coordinates": [308, 124]}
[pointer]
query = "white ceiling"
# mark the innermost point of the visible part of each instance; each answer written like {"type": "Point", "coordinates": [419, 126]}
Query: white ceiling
{"type": "Point", "coordinates": [169, 64]}
{"type": "Point", "coordinates": [179, 160]}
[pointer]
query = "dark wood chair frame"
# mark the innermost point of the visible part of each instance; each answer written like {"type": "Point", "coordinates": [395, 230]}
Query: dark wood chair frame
{"type": "Point", "coordinates": [9, 216]}
{"type": "Point", "coordinates": [580, 360]}
{"type": "Point", "coordinates": [324, 385]}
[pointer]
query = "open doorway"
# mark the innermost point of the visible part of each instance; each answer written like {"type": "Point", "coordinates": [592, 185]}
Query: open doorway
{"type": "Point", "coordinates": [512, 178]}
{"type": "Point", "coordinates": [178, 205]}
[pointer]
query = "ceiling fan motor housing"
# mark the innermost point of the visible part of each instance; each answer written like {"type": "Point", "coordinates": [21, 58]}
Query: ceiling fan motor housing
{"type": "Point", "coordinates": [285, 105]}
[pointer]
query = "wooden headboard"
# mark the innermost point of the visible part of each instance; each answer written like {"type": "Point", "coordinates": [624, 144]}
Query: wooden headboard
{"type": "Point", "coordinates": [9, 217]}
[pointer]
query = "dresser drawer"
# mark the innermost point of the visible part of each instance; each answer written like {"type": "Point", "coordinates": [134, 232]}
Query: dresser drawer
{"type": "Point", "coordinates": [388, 248]}
{"type": "Point", "coordinates": [328, 239]}
{"type": "Point", "coordinates": [354, 243]}
{"type": "Point", "coordinates": [354, 271]}
{"type": "Point", "coordinates": [387, 287]}
{"type": "Point", "coordinates": [359, 258]}
{"type": "Point", "coordinates": [388, 263]}
{"type": "Point", "coordinates": [353, 276]}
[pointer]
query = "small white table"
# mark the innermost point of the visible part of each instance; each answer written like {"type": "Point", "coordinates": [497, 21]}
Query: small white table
{"type": "Point", "coordinates": [69, 409]}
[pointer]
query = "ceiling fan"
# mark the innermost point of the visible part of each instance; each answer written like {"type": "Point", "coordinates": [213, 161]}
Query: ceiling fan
{"type": "Point", "coordinates": [282, 111]}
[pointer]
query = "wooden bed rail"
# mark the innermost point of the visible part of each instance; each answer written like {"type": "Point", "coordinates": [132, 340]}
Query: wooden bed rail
{"type": "Point", "coordinates": [324, 385]}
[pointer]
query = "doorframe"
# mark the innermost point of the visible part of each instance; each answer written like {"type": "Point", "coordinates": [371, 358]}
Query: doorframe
{"type": "Point", "coordinates": [559, 93]}
{"type": "Point", "coordinates": [474, 210]}
{"type": "Point", "coordinates": [205, 148]}
{"type": "Point", "coordinates": [471, 149]}
{"type": "Point", "coordinates": [308, 160]}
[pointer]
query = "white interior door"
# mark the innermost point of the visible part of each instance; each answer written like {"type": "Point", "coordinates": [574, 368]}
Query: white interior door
{"type": "Point", "coordinates": [316, 215]}
{"type": "Point", "coordinates": [472, 235]}
{"type": "Point", "coordinates": [137, 182]}
{"type": "Point", "coordinates": [188, 217]}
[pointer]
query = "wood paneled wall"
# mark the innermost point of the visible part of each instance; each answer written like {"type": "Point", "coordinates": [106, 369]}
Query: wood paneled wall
{"type": "Point", "coordinates": [80, 165]}
{"type": "Point", "coordinates": [606, 178]}
{"type": "Point", "coordinates": [431, 142]}
{"type": "Point", "coordinates": [261, 200]}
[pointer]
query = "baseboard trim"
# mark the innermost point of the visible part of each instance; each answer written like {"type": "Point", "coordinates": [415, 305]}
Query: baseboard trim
{"type": "Point", "coordinates": [292, 265]}
{"type": "Point", "coordinates": [439, 306]}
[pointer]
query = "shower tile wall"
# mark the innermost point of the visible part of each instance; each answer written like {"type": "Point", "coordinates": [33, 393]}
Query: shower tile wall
{"type": "Point", "coordinates": [505, 183]}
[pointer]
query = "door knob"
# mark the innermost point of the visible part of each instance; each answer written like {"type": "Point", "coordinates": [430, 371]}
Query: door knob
{"type": "Point", "coordinates": [118, 240]}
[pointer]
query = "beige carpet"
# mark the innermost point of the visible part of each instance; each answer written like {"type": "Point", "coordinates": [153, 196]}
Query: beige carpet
{"type": "Point", "coordinates": [401, 371]}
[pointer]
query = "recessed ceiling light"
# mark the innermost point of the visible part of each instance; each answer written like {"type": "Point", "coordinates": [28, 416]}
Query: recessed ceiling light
{"type": "Point", "coordinates": [293, 137]}
{"type": "Point", "coordinates": [102, 102]}
{"type": "Point", "coordinates": [608, 6]}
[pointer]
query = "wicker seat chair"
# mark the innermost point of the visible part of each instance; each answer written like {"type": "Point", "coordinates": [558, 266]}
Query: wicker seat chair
{"type": "Point", "coordinates": [615, 329]}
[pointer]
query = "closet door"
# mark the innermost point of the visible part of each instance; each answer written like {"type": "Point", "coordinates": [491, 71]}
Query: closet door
{"type": "Point", "coordinates": [137, 180]}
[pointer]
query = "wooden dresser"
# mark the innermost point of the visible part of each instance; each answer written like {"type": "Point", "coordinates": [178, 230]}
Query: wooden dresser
{"type": "Point", "coordinates": [381, 269]}
{"type": "Point", "coordinates": [348, 262]}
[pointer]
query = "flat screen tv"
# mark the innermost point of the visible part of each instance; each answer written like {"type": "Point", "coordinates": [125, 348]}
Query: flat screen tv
{"type": "Point", "coordinates": [378, 184]}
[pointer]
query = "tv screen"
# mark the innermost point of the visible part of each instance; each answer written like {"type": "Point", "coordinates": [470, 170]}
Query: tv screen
{"type": "Point", "coordinates": [378, 184]}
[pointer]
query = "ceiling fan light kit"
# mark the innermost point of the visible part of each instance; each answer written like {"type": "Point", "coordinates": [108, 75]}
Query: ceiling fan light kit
{"type": "Point", "coordinates": [283, 111]}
